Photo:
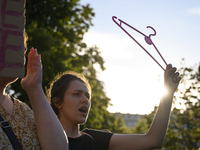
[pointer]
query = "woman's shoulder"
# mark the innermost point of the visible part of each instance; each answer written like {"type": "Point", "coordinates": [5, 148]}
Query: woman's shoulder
{"type": "Point", "coordinates": [24, 124]}
{"type": "Point", "coordinates": [20, 104]}
{"type": "Point", "coordinates": [101, 137]}
{"type": "Point", "coordinates": [88, 130]}
{"type": "Point", "coordinates": [22, 109]}
{"type": "Point", "coordinates": [98, 134]}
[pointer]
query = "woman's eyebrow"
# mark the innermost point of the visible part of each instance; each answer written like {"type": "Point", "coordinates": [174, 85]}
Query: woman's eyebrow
{"type": "Point", "coordinates": [83, 91]}
{"type": "Point", "coordinates": [79, 90]}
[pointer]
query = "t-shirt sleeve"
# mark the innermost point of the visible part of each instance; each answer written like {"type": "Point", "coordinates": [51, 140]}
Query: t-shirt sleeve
{"type": "Point", "coordinates": [101, 137]}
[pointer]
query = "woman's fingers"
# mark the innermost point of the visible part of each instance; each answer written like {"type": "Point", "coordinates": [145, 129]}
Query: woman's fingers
{"type": "Point", "coordinates": [171, 71]}
{"type": "Point", "coordinates": [33, 60]}
{"type": "Point", "coordinates": [175, 77]}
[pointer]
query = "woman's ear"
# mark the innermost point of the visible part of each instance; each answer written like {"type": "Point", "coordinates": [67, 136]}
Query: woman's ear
{"type": "Point", "coordinates": [56, 102]}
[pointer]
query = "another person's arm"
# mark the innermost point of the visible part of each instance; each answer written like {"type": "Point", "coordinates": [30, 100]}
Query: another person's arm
{"type": "Point", "coordinates": [49, 130]}
{"type": "Point", "coordinates": [156, 134]}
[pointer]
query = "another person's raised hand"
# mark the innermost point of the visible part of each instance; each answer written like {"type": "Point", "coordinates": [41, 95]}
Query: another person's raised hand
{"type": "Point", "coordinates": [33, 78]}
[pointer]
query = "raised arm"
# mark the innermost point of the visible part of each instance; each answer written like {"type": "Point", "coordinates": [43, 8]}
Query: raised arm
{"type": "Point", "coordinates": [49, 130]}
{"type": "Point", "coordinates": [156, 134]}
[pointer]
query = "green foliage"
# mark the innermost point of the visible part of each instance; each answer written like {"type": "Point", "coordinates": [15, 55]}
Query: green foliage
{"type": "Point", "coordinates": [184, 127]}
{"type": "Point", "coordinates": [56, 28]}
{"type": "Point", "coordinates": [144, 124]}
{"type": "Point", "coordinates": [115, 123]}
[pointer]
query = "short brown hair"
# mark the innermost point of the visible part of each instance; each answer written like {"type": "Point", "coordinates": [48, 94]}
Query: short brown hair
{"type": "Point", "coordinates": [60, 84]}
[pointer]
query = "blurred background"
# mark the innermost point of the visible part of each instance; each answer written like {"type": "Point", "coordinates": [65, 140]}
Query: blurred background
{"type": "Point", "coordinates": [127, 84]}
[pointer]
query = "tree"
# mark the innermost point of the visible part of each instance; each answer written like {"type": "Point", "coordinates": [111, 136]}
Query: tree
{"type": "Point", "coordinates": [184, 127]}
{"type": "Point", "coordinates": [144, 124]}
{"type": "Point", "coordinates": [56, 28]}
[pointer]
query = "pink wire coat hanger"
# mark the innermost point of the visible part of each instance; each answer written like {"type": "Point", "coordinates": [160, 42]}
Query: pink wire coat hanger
{"type": "Point", "coordinates": [147, 39]}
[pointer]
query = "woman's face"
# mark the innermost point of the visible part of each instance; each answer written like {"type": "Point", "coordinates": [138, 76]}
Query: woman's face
{"type": "Point", "coordinates": [76, 103]}
{"type": "Point", "coordinates": [4, 81]}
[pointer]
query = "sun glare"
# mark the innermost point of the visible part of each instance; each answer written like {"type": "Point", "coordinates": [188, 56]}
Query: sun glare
{"type": "Point", "coordinates": [138, 101]}
{"type": "Point", "coordinates": [132, 80]}
{"type": "Point", "coordinates": [134, 93]}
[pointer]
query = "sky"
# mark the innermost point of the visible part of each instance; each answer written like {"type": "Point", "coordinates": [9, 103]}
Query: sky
{"type": "Point", "coordinates": [132, 80]}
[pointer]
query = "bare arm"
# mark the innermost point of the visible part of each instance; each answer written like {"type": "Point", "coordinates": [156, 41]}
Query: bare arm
{"type": "Point", "coordinates": [156, 134]}
{"type": "Point", "coordinates": [49, 130]}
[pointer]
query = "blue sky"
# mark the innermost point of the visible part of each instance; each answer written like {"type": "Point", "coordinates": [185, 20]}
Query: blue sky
{"type": "Point", "coordinates": [132, 79]}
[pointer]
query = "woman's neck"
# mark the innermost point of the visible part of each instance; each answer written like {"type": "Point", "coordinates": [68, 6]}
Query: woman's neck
{"type": "Point", "coordinates": [5, 101]}
{"type": "Point", "coordinates": [72, 130]}
{"type": "Point", "coordinates": [2, 92]}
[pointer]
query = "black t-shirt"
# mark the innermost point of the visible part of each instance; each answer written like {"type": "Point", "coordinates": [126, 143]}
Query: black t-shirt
{"type": "Point", "coordinates": [92, 140]}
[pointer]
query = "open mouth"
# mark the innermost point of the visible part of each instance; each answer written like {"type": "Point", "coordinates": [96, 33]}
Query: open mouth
{"type": "Point", "coordinates": [83, 110]}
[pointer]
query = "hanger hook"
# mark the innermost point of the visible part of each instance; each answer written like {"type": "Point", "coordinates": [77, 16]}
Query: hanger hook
{"type": "Point", "coordinates": [113, 18]}
{"type": "Point", "coordinates": [148, 38]}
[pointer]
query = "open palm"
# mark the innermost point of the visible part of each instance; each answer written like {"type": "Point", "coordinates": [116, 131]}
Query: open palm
{"type": "Point", "coordinates": [33, 77]}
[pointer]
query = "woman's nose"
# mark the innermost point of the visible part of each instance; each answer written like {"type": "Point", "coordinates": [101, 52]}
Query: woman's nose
{"type": "Point", "coordinates": [84, 99]}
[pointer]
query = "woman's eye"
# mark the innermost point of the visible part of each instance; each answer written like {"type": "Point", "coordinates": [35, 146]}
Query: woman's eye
{"type": "Point", "coordinates": [87, 95]}
{"type": "Point", "coordinates": [77, 94]}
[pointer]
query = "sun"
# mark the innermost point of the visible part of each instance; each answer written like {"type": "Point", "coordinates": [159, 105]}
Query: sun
{"type": "Point", "coordinates": [133, 94]}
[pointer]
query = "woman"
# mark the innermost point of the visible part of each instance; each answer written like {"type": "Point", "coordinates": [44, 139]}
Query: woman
{"type": "Point", "coordinates": [70, 99]}
{"type": "Point", "coordinates": [41, 130]}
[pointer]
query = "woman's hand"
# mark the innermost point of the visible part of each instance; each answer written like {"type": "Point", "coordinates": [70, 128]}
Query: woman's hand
{"type": "Point", "coordinates": [49, 129]}
{"type": "Point", "coordinates": [33, 78]}
{"type": "Point", "coordinates": [171, 79]}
